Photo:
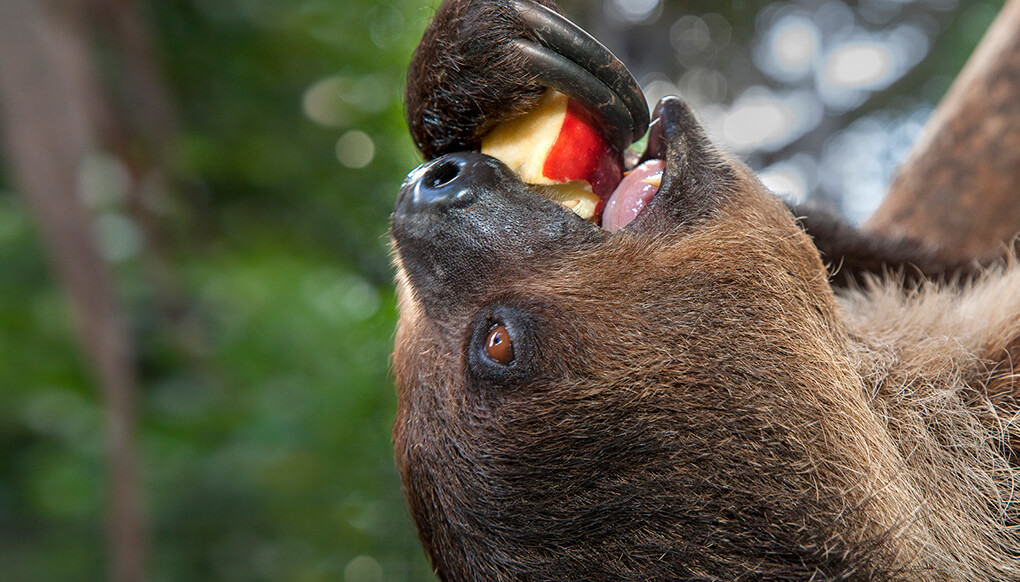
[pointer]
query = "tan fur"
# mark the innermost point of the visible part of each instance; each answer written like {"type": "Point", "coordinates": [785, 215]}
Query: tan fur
{"type": "Point", "coordinates": [897, 407]}
{"type": "Point", "coordinates": [936, 361]}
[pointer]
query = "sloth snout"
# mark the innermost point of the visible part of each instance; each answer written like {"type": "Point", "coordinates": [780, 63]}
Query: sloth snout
{"type": "Point", "coordinates": [450, 181]}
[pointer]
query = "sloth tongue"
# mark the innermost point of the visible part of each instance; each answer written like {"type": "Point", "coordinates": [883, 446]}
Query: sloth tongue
{"type": "Point", "coordinates": [557, 148]}
{"type": "Point", "coordinates": [635, 191]}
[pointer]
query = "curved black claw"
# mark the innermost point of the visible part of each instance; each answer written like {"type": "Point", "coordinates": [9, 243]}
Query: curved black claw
{"type": "Point", "coordinates": [482, 62]}
{"type": "Point", "coordinates": [571, 61]}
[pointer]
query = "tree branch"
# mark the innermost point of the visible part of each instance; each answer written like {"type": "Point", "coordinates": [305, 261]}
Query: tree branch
{"type": "Point", "coordinates": [50, 101]}
{"type": "Point", "coordinates": [960, 189]}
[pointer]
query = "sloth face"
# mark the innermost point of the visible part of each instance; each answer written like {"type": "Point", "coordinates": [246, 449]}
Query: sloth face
{"type": "Point", "coordinates": [650, 403]}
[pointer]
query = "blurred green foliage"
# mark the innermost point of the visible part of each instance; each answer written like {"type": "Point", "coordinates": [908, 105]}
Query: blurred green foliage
{"type": "Point", "coordinates": [266, 410]}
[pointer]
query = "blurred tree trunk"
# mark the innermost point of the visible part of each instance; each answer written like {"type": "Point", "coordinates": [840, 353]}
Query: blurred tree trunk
{"type": "Point", "coordinates": [56, 107]}
{"type": "Point", "coordinates": [960, 189]}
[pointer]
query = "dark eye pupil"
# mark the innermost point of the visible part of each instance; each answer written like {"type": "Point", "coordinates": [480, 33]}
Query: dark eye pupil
{"type": "Point", "coordinates": [498, 345]}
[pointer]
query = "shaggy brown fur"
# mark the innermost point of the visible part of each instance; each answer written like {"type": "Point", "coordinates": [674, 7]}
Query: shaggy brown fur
{"type": "Point", "coordinates": [707, 408]}
{"type": "Point", "coordinates": [465, 53]}
{"type": "Point", "coordinates": [690, 399]}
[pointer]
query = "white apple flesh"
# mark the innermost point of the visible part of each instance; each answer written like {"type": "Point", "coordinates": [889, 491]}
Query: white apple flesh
{"type": "Point", "coordinates": [558, 148]}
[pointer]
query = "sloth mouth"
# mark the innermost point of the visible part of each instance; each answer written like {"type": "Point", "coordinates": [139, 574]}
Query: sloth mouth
{"type": "Point", "coordinates": [622, 200]}
{"type": "Point", "coordinates": [679, 176]}
{"type": "Point", "coordinates": [574, 156]}
{"type": "Point", "coordinates": [675, 179]}
{"type": "Point", "coordinates": [636, 190]}
{"type": "Point", "coordinates": [641, 182]}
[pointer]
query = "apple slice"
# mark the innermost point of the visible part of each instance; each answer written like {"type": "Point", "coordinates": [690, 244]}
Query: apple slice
{"type": "Point", "coordinates": [558, 147]}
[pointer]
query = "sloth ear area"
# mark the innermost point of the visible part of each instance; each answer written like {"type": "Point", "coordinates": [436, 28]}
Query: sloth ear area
{"type": "Point", "coordinates": [854, 255]}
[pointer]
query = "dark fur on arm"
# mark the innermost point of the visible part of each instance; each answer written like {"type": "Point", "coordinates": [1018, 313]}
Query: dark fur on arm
{"type": "Point", "coordinates": [853, 254]}
{"type": "Point", "coordinates": [466, 76]}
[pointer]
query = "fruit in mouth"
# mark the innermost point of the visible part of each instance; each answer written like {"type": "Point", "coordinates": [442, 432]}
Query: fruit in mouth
{"type": "Point", "coordinates": [558, 148]}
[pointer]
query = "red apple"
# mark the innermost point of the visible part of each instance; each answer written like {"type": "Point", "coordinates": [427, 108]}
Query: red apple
{"type": "Point", "coordinates": [557, 146]}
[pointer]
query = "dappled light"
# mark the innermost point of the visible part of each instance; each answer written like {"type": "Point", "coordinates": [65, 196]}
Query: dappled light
{"type": "Point", "coordinates": [761, 120]}
{"type": "Point", "coordinates": [633, 11]}
{"type": "Point", "coordinates": [355, 149]}
{"type": "Point", "coordinates": [789, 48]}
{"type": "Point", "coordinates": [859, 161]}
{"type": "Point", "coordinates": [802, 72]}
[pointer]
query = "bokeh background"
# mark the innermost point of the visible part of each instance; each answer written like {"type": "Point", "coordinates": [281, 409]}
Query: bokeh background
{"type": "Point", "coordinates": [237, 195]}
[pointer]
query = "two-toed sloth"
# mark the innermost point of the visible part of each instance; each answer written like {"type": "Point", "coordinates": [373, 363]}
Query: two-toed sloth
{"type": "Point", "coordinates": [693, 396]}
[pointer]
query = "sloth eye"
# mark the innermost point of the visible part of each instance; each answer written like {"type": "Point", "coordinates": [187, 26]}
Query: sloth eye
{"type": "Point", "coordinates": [502, 347]}
{"type": "Point", "coordinates": [498, 345]}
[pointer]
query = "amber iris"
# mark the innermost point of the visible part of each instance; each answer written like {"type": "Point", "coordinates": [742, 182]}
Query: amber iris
{"type": "Point", "coordinates": [498, 345]}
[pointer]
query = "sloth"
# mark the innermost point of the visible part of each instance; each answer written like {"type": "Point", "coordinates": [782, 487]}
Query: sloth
{"type": "Point", "coordinates": [695, 396]}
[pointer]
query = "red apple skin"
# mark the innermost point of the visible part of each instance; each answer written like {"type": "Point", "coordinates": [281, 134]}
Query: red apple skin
{"type": "Point", "coordinates": [581, 153]}
{"type": "Point", "coordinates": [558, 148]}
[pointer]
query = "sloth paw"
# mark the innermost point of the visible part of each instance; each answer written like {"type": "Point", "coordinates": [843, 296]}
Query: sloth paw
{"type": "Point", "coordinates": [482, 62]}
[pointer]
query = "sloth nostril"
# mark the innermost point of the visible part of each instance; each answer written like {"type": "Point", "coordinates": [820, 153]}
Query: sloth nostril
{"type": "Point", "coordinates": [451, 181]}
{"type": "Point", "coordinates": [441, 174]}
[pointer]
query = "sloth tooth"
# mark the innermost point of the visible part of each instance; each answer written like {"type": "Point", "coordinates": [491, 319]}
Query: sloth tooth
{"type": "Point", "coordinates": [575, 196]}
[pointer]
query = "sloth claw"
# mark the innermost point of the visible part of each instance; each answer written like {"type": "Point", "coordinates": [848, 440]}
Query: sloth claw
{"type": "Point", "coordinates": [483, 62]}
{"type": "Point", "coordinates": [568, 59]}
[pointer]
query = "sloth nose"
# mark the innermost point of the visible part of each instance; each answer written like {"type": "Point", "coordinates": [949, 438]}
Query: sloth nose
{"type": "Point", "coordinates": [450, 181]}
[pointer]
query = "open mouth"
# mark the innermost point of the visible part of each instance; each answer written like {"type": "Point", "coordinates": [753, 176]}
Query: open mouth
{"type": "Point", "coordinates": [640, 183]}
{"type": "Point", "coordinates": [679, 178]}
{"type": "Point", "coordinates": [572, 147]}
{"type": "Point", "coordinates": [562, 151]}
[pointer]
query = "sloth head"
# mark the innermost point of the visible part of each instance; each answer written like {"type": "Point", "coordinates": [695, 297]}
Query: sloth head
{"type": "Point", "coordinates": [670, 400]}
